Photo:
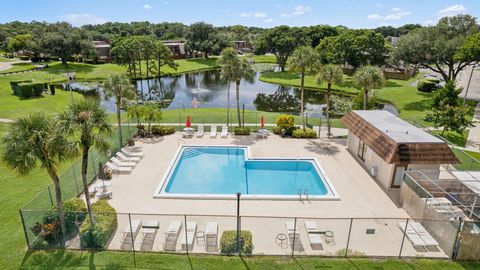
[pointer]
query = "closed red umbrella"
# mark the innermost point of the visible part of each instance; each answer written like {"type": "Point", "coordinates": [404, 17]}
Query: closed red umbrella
{"type": "Point", "coordinates": [262, 122]}
{"type": "Point", "coordinates": [187, 123]}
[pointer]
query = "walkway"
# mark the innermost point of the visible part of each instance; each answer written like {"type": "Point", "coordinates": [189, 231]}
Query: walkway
{"type": "Point", "coordinates": [462, 81]}
{"type": "Point", "coordinates": [5, 120]}
{"type": "Point", "coordinates": [473, 140]}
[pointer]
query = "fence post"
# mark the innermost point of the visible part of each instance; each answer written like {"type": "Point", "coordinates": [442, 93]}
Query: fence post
{"type": "Point", "coordinates": [24, 228]}
{"type": "Point", "coordinates": [456, 243]}
{"type": "Point", "coordinates": [238, 222]}
{"type": "Point", "coordinates": [50, 195]}
{"type": "Point", "coordinates": [348, 239]}
{"type": "Point", "coordinates": [403, 239]}
{"type": "Point", "coordinates": [75, 179]}
{"type": "Point", "coordinates": [294, 236]}
{"type": "Point", "coordinates": [131, 237]}
{"type": "Point", "coordinates": [186, 234]}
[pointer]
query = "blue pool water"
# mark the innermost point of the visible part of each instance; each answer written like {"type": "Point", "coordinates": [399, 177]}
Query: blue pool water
{"type": "Point", "coordinates": [224, 170]}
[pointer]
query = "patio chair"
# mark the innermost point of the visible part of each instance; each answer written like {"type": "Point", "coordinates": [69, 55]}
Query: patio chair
{"type": "Point", "coordinates": [415, 239]}
{"type": "Point", "coordinates": [262, 133]}
{"type": "Point", "coordinates": [124, 158]}
{"type": "Point", "coordinates": [120, 163]}
{"type": "Point", "coordinates": [200, 131]}
{"type": "Point", "coordinates": [188, 240]}
{"type": "Point", "coordinates": [224, 132]}
{"type": "Point", "coordinates": [294, 236]}
{"type": "Point", "coordinates": [129, 153]}
{"type": "Point", "coordinates": [171, 235]}
{"type": "Point", "coordinates": [130, 233]}
{"type": "Point", "coordinates": [104, 195]}
{"type": "Point", "coordinates": [430, 242]}
{"type": "Point", "coordinates": [213, 131]}
{"type": "Point", "coordinates": [149, 231]}
{"type": "Point", "coordinates": [313, 235]}
{"type": "Point", "coordinates": [92, 189]}
{"type": "Point", "coordinates": [118, 169]}
{"type": "Point", "coordinates": [211, 237]}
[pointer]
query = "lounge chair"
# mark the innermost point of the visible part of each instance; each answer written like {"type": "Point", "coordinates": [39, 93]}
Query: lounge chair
{"type": "Point", "coordinates": [262, 133]}
{"type": "Point", "coordinates": [118, 169]}
{"type": "Point", "coordinates": [130, 233]}
{"type": "Point", "coordinates": [213, 131]}
{"type": "Point", "coordinates": [211, 237]}
{"type": "Point", "coordinates": [200, 131]}
{"type": "Point", "coordinates": [92, 190]}
{"type": "Point", "coordinates": [430, 242]}
{"type": "Point", "coordinates": [120, 163]}
{"type": "Point", "coordinates": [188, 240]}
{"type": "Point", "coordinates": [148, 231]}
{"type": "Point", "coordinates": [313, 235]}
{"type": "Point", "coordinates": [104, 194]}
{"type": "Point", "coordinates": [412, 235]}
{"type": "Point", "coordinates": [124, 158]}
{"type": "Point", "coordinates": [171, 235]}
{"type": "Point", "coordinates": [294, 236]}
{"type": "Point", "coordinates": [129, 153]}
{"type": "Point", "coordinates": [224, 132]}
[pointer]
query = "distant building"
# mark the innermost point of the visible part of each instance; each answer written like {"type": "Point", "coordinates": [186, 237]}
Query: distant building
{"type": "Point", "coordinates": [177, 47]}
{"type": "Point", "coordinates": [103, 50]}
{"type": "Point", "coordinates": [242, 45]}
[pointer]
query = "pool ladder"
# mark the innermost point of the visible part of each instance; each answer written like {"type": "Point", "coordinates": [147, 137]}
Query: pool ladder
{"type": "Point", "coordinates": [304, 192]}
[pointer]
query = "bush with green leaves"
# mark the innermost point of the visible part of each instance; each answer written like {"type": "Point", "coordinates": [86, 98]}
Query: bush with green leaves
{"type": "Point", "coordinates": [285, 121]}
{"type": "Point", "coordinates": [75, 213]}
{"type": "Point", "coordinates": [163, 130]}
{"type": "Point", "coordinates": [105, 225]}
{"type": "Point", "coordinates": [228, 242]}
{"type": "Point", "coordinates": [241, 131]}
{"type": "Point", "coordinates": [426, 86]}
{"type": "Point", "coordinates": [28, 89]}
{"type": "Point", "coordinates": [307, 133]}
{"type": "Point", "coordinates": [357, 102]}
{"type": "Point", "coordinates": [14, 85]}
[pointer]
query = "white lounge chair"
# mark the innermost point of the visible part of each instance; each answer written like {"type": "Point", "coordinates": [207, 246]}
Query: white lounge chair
{"type": "Point", "coordinates": [92, 189]}
{"type": "Point", "coordinates": [211, 237]}
{"type": "Point", "coordinates": [199, 133]}
{"type": "Point", "coordinates": [412, 235]}
{"type": "Point", "coordinates": [188, 240]}
{"type": "Point", "coordinates": [120, 163]}
{"type": "Point", "coordinates": [171, 235]}
{"type": "Point", "coordinates": [224, 132]}
{"type": "Point", "coordinates": [130, 233]}
{"type": "Point", "coordinates": [124, 158]}
{"type": "Point", "coordinates": [118, 169]}
{"type": "Point", "coordinates": [213, 131]}
{"type": "Point", "coordinates": [129, 153]}
{"type": "Point", "coordinates": [430, 242]}
{"type": "Point", "coordinates": [148, 231]}
{"type": "Point", "coordinates": [104, 194]}
{"type": "Point", "coordinates": [313, 235]}
{"type": "Point", "coordinates": [294, 236]}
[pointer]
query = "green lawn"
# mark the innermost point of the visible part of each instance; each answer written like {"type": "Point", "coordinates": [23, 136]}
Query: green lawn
{"type": "Point", "coordinates": [453, 137]}
{"type": "Point", "coordinates": [19, 67]}
{"type": "Point", "coordinates": [270, 59]}
{"type": "Point", "coordinates": [3, 59]}
{"type": "Point", "coordinates": [124, 260]}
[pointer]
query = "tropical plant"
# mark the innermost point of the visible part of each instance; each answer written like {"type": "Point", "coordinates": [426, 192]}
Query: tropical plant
{"type": "Point", "coordinates": [304, 59]}
{"type": "Point", "coordinates": [120, 89]}
{"type": "Point", "coordinates": [163, 56]}
{"type": "Point", "coordinates": [330, 74]}
{"type": "Point", "coordinates": [151, 113]}
{"type": "Point", "coordinates": [87, 123]}
{"type": "Point", "coordinates": [35, 140]}
{"type": "Point", "coordinates": [368, 78]}
{"type": "Point", "coordinates": [242, 69]}
{"type": "Point", "coordinates": [228, 59]}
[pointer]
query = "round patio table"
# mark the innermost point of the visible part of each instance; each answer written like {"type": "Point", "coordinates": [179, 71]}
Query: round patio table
{"type": "Point", "coordinates": [329, 236]}
{"type": "Point", "coordinates": [200, 235]}
{"type": "Point", "coordinates": [281, 240]}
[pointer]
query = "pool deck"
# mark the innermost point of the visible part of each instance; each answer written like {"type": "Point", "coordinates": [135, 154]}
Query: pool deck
{"type": "Point", "coordinates": [360, 197]}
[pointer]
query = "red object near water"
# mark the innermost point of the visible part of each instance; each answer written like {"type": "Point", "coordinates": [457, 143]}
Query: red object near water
{"type": "Point", "coordinates": [262, 122]}
{"type": "Point", "coordinates": [187, 123]}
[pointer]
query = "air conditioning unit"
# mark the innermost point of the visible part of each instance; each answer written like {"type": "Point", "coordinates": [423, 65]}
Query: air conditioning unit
{"type": "Point", "coordinates": [374, 171]}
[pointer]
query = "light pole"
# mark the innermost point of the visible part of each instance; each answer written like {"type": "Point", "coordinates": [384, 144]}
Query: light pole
{"type": "Point", "coordinates": [468, 84]}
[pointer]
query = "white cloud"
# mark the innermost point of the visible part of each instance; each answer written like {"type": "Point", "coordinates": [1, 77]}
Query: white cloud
{"type": "Point", "coordinates": [297, 11]}
{"type": "Point", "coordinates": [256, 14]}
{"type": "Point", "coordinates": [396, 16]}
{"type": "Point", "coordinates": [374, 17]}
{"type": "Point", "coordinates": [378, 5]}
{"type": "Point", "coordinates": [452, 10]}
{"type": "Point", "coordinates": [396, 9]}
{"type": "Point", "coordinates": [147, 6]}
{"type": "Point", "coordinates": [84, 18]}
{"type": "Point", "coordinates": [268, 20]}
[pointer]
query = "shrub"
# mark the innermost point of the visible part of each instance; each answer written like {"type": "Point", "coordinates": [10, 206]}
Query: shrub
{"type": "Point", "coordinates": [276, 130]}
{"type": "Point", "coordinates": [37, 89]}
{"type": "Point", "coordinates": [285, 121]}
{"type": "Point", "coordinates": [25, 90]}
{"type": "Point", "coordinates": [75, 211]}
{"type": "Point", "coordinates": [307, 133]}
{"type": "Point", "coordinates": [228, 242]}
{"type": "Point", "coordinates": [426, 86]}
{"type": "Point", "coordinates": [241, 131]}
{"type": "Point", "coordinates": [14, 86]}
{"type": "Point", "coordinates": [433, 79]}
{"type": "Point", "coordinates": [163, 130]}
{"type": "Point", "coordinates": [105, 225]}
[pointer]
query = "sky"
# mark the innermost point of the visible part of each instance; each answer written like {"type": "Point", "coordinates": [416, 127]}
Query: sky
{"type": "Point", "coordinates": [261, 13]}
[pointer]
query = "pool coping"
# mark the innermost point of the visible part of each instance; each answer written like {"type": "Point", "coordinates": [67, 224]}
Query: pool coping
{"type": "Point", "coordinates": [160, 193]}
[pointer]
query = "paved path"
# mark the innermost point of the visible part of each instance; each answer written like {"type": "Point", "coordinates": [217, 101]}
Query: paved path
{"type": "Point", "coordinates": [473, 140]}
{"type": "Point", "coordinates": [5, 120]}
{"type": "Point", "coordinates": [462, 81]}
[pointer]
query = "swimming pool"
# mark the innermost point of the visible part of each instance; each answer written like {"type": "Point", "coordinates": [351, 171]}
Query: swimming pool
{"type": "Point", "coordinates": [222, 171]}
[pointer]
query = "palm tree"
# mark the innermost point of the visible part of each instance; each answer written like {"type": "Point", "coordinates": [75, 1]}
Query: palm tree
{"type": "Point", "coordinates": [227, 60]}
{"type": "Point", "coordinates": [368, 78]}
{"type": "Point", "coordinates": [331, 74]}
{"type": "Point", "coordinates": [88, 123]}
{"type": "Point", "coordinates": [120, 88]}
{"type": "Point", "coordinates": [242, 69]}
{"type": "Point", "coordinates": [35, 140]}
{"type": "Point", "coordinates": [304, 59]}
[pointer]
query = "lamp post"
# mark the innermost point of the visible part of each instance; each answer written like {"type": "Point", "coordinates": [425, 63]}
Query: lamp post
{"type": "Point", "coordinates": [468, 84]}
{"type": "Point", "coordinates": [238, 221]}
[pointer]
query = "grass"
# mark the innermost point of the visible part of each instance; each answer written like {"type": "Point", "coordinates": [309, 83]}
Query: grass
{"type": "Point", "coordinates": [270, 59]}
{"type": "Point", "coordinates": [19, 67]}
{"type": "Point", "coordinates": [453, 137]}
{"type": "Point", "coordinates": [3, 59]}
{"type": "Point", "coordinates": [125, 260]}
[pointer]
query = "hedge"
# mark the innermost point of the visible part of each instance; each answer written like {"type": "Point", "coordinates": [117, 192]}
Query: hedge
{"type": "Point", "coordinates": [285, 121]}
{"type": "Point", "coordinates": [241, 131]}
{"type": "Point", "coordinates": [104, 228]}
{"type": "Point", "coordinates": [228, 242]}
{"type": "Point", "coordinates": [30, 89]}
{"type": "Point", "coordinates": [426, 86]}
{"type": "Point", "coordinates": [163, 130]}
{"type": "Point", "coordinates": [75, 211]}
{"type": "Point", "coordinates": [14, 86]}
{"type": "Point", "coordinates": [307, 133]}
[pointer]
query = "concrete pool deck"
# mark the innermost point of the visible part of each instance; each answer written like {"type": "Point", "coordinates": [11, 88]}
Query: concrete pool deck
{"type": "Point", "coordinates": [360, 197]}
